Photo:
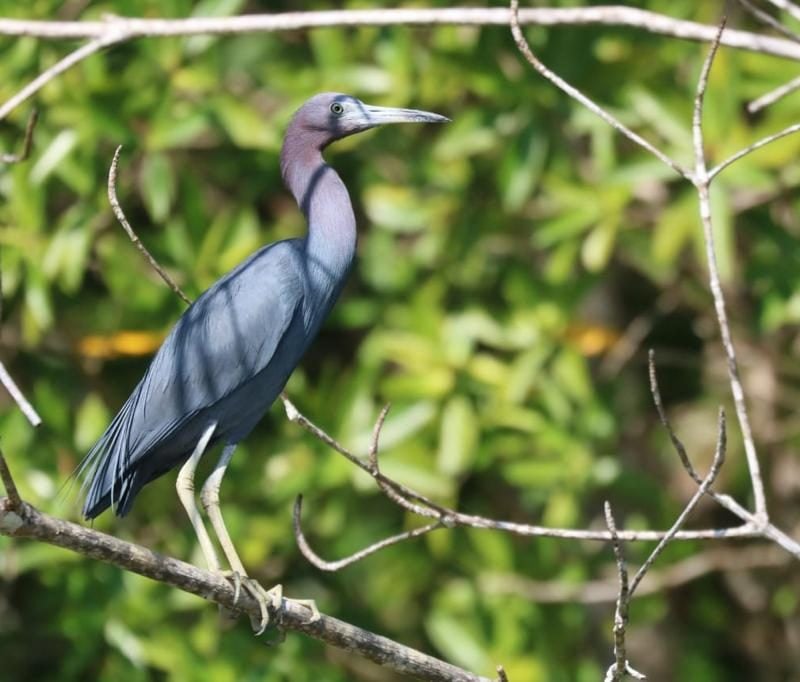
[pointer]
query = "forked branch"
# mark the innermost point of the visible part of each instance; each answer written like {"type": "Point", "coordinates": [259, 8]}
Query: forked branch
{"type": "Point", "coordinates": [621, 665]}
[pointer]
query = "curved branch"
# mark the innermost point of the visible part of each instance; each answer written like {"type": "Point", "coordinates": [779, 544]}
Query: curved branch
{"type": "Point", "coordinates": [451, 518]}
{"type": "Point", "coordinates": [118, 212]}
{"type": "Point", "coordinates": [338, 565]}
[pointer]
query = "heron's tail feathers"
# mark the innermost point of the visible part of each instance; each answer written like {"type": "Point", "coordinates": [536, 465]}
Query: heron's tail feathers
{"type": "Point", "coordinates": [105, 471]}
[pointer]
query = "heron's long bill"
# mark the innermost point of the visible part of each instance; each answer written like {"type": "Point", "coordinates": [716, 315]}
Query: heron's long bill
{"type": "Point", "coordinates": [381, 115]}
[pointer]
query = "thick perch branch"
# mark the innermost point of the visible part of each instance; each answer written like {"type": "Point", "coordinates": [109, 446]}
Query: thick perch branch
{"type": "Point", "coordinates": [20, 520]}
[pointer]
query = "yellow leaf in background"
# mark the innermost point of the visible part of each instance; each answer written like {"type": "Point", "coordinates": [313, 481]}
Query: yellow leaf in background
{"type": "Point", "coordinates": [121, 344]}
{"type": "Point", "coordinates": [592, 339]}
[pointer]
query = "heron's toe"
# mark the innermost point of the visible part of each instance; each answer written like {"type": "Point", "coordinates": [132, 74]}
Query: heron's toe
{"type": "Point", "coordinates": [311, 605]}
{"type": "Point", "coordinates": [266, 598]}
{"type": "Point", "coordinates": [236, 581]}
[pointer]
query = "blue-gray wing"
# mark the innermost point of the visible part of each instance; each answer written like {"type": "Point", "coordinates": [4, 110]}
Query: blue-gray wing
{"type": "Point", "coordinates": [217, 364]}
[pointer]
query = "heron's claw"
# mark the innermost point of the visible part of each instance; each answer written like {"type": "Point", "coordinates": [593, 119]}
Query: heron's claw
{"type": "Point", "coordinates": [266, 599]}
{"type": "Point", "coordinates": [236, 579]}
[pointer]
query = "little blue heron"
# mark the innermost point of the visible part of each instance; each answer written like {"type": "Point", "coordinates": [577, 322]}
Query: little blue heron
{"type": "Point", "coordinates": [230, 354]}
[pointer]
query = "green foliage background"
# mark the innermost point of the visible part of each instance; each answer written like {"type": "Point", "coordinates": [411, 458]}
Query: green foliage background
{"type": "Point", "coordinates": [499, 258]}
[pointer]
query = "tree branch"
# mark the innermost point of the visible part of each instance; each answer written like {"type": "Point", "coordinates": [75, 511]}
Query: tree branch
{"type": "Point", "coordinates": [610, 15]}
{"type": "Point", "coordinates": [621, 666]}
{"type": "Point", "coordinates": [787, 6]}
{"type": "Point", "coordinates": [450, 518]}
{"type": "Point", "coordinates": [702, 183]}
{"type": "Point", "coordinates": [107, 38]}
{"type": "Point", "coordinates": [101, 34]}
{"type": "Point", "coordinates": [118, 212]}
{"type": "Point", "coordinates": [773, 96]}
{"type": "Point", "coordinates": [331, 566]}
{"type": "Point", "coordinates": [708, 481]}
{"type": "Point", "coordinates": [14, 500]}
{"type": "Point", "coordinates": [21, 520]}
{"type": "Point", "coordinates": [789, 130]}
{"type": "Point", "coordinates": [768, 20]}
{"type": "Point", "coordinates": [19, 397]}
{"type": "Point", "coordinates": [27, 141]}
{"type": "Point", "coordinates": [577, 95]}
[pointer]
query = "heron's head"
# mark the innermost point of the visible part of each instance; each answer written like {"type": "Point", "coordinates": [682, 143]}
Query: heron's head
{"type": "Point", "coordinates": [331, 116]}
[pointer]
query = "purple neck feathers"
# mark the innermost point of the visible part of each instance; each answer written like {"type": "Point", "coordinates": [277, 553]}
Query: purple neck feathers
{"type": "Point", "coordinates": [323, 198]}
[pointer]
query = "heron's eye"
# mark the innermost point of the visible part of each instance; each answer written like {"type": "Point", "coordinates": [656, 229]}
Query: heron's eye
{"type": "Point", "coordinates": [337, 109]}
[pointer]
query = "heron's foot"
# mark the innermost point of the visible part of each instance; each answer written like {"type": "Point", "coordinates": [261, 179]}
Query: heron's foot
{"type": "Point", "coordinates": [266, 599]}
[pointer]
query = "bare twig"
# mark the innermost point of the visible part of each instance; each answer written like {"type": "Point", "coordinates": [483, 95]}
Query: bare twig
{"type": "Point", "coordinates": [105, 39]}
{"type": "Point", "coordinates": [719, 459]}
{"type": "Point", "coordinates": [768, 20]}
{"type": "Point", "coordinates": [662, 415]}
{"type": "Point", "coordinates": [24, 521]}
{"type": "Point", "coordinates": [27, 141]}
{"type": "Point", "coordinates": [15, 501]}
{"type": "Point", "coordinates": [115, 206]}
{"type": "Point", "coordinates": [501, 674]}
{"type": "Point", "coordinates": [787, 6]}
{"type": "Point", "coordinates": [773, 96]}
{"type": "Point", "coordinates": [702, 181]}
{"type": "Point", "coordinates": [621, 613]}
{"type": "Point", "coordinates": [331, 566]}
{"type": "Point", "coordinates": [789, 130]}
{"type": "Point", "coordinates": [22, 402]}
{"type": "Point", "coordinates": [724, 500]}
{"type": "Point", "coordinates": [767, 531]}
{"type": "Point", "coordinates": [621, 666]}
{"type": "Point", "coordinates": [577, 95]}
{"type": "Point", "coordinates": [450, 518]}
{"type": "Point", "coordinates": [376, 435]}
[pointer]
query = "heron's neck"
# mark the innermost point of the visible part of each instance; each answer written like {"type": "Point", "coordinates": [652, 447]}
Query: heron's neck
{"type": "Point", "coordinates": [323, 198]}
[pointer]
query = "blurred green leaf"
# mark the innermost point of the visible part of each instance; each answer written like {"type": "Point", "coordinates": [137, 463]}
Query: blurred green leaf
{"type": "Point", "coordinates": [459, 435]}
